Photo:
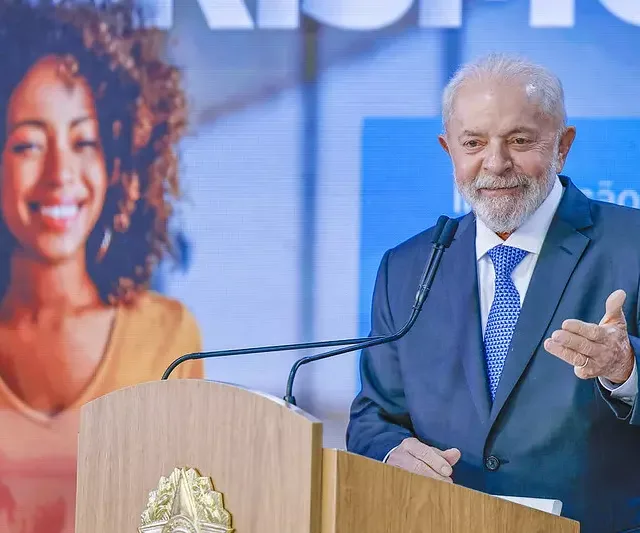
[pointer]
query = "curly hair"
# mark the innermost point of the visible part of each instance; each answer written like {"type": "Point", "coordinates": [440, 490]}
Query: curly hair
{"type": "Point", "coordinates": [141, 110]}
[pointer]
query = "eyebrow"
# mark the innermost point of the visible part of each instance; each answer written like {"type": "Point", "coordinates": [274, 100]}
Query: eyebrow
{"type": "Point", "coordinates": [522, 129]}
{"type": "Point", "coordinates": [42, 125]}
{"type": "Point", "coordinates": [470, 133]}
{"type": "Point", "coordinates": [519, 129]}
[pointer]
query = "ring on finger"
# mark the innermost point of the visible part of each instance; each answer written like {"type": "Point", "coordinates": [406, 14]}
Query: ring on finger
{"type": "Point", "coordinates": [586, 362]}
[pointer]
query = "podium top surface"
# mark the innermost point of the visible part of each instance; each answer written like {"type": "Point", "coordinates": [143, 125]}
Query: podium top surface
{"type": "Point", "coordinates": [182, 386]}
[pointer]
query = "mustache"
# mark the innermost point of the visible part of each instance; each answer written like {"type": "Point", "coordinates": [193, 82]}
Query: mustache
{"type": "Point", "coordinates": [487, 181]}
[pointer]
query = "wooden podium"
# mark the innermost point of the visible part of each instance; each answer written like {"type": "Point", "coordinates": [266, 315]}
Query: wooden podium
{"type": "Point", "coordinates": [268, 469]}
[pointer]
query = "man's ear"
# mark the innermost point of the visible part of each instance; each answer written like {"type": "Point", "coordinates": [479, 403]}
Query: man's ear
{"type": "Point", "coordinates": [566, 141]}
{"type": "Point", "coordinates": [442, 139]}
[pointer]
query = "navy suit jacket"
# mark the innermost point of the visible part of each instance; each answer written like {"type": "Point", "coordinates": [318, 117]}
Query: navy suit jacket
{"type": "Point", "coordinates": [548, 434]}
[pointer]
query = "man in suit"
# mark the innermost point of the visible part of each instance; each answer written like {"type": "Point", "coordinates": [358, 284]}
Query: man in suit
{"type": "Point", "coordinates": [520, 375]}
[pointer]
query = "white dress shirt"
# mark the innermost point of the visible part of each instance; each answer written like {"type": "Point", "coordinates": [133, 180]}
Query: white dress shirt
{"type": "Point", "coordinates": [530, 237]}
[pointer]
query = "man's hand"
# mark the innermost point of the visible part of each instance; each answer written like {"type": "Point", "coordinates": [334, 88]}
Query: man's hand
{"type": "Point", "coordinates": [597, 350]}
{"type": "Point", "coordinates": [416, 457]}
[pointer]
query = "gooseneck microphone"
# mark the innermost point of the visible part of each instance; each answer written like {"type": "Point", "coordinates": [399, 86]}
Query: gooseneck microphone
{"type": "Point", "coordinates": [258, 349]}
{"type": "Point", "coordinates": [439, 231]}
{"type": "Point", "coordinates": [441, 242]}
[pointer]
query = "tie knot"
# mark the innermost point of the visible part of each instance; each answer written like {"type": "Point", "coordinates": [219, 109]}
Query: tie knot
{"type": "Point", "coordinates": [505, 259]}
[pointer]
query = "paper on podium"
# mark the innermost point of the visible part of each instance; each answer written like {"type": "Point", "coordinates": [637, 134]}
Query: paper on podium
{"type": "Point", "coordinates": [550, 506]}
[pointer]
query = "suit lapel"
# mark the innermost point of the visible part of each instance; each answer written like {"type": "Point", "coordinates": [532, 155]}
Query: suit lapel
{"type": "Point", "coordinates": [460, 276]}
{"type": "Point", "coordinates": [559, 256]}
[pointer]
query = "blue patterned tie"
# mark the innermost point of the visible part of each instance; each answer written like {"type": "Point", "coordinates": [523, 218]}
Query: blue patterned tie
{"type": "Point", "coordinates": [504, 312]}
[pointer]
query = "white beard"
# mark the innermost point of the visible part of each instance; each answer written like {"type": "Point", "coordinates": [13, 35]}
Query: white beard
{"type": "Point", "coordinates": [505, 214]}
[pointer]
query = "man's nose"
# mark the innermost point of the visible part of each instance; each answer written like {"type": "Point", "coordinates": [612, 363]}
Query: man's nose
{"type": "Point", "coordinates": [497, 159]}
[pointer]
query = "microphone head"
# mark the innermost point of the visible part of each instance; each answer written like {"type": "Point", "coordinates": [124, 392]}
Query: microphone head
{"type": "Point", "coordinates": [437, 230]}
{"type": "Point", "coordinates": [448, 233]}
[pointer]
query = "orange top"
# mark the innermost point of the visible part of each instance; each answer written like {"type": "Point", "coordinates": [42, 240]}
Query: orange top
{"type": "Point", "coordinates": [38, 451]}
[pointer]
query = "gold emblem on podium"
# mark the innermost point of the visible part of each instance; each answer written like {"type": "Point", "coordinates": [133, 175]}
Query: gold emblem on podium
{"type": "Point", "coordinates": [185, 502]}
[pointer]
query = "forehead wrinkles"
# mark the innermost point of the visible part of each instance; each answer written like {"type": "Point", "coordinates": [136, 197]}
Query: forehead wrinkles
{"type": "Point", "coordinates": [501, 104]}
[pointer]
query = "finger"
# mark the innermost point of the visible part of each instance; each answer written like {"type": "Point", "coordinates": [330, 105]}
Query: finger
{"type": "Point", "coordinates": [577, 343]}
{"type": "Point", "coordinates": [566, 354]}
{"type": "Point", "coordinates": [432, 459]}
{"type": "Point", "coordinates": [410, 463]}
{"type": "Point", "coordinates": [452, 455]}
{"type": "Point", "coordinates": [429, 456]}
{"type": "Point", "coordinates": [593, 332]}
{"type": "Point", "coordinates": [613, 308]}
{"type": "Point", "coordinates": [403, 459]}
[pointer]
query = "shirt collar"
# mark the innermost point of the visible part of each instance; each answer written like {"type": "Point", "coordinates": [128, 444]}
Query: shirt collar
{"type": "Point", "coordinates": [530, 236]}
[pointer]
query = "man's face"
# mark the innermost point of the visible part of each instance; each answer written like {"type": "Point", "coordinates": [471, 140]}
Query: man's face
{"type": "Point", "coordinates": [505, 151]}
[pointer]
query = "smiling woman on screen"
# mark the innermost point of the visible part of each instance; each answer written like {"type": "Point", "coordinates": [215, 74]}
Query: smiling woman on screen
{"type": "Point", "coordinates": [90, 115]}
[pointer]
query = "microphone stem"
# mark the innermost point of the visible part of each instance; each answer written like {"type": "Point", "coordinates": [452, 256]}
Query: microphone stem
{"type": "Point", "coordinates": [425, 287]}
{"type": "Point", "coordinates": [373, 341]}
{"type": "Point", "coordinates": [257, 350]}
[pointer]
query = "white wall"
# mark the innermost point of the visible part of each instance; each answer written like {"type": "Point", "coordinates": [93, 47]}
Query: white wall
{"type": "Point", "coordinates": [402, 78]}
{"type": "Point", "coordinates": [243, 218]}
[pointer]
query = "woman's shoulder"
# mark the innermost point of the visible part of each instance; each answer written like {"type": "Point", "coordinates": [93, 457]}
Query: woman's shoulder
{"type": "Point", "coordinates": [161, 311]}
{"type": "Point", "coordinates": [161, 328]}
